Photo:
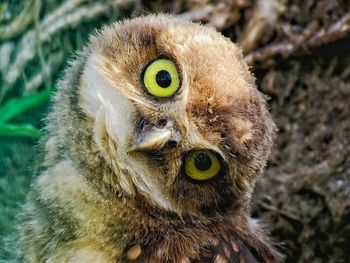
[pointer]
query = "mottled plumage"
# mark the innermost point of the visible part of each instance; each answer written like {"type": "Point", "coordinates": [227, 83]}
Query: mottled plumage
{"type": "Point", "coordinates": [116, 172]}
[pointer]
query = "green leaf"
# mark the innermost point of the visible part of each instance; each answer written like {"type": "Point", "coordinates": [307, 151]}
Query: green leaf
{"type": "Point", "coordinates": [19, 130]}
{"type": "Point", "coordinates": [17, 106]}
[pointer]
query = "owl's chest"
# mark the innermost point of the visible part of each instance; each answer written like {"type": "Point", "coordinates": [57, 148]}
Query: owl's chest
{"type": "Point", "coordinates": [189, 245]}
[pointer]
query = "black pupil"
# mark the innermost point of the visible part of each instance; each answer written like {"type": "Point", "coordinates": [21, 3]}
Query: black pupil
{"type": "Point", "coordinates": [202, 161]}
{"type": "Point", "coordinates": [163, 79]}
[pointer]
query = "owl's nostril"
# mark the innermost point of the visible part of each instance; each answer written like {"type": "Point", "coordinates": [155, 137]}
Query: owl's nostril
{"type": "Point", "coordinates": [162, 123]}
{"type": "Point", "coordinates": [171, 144]}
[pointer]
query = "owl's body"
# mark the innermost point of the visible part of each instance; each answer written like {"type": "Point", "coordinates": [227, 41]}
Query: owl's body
{"type": "Point", "coordinates": [155, 138]}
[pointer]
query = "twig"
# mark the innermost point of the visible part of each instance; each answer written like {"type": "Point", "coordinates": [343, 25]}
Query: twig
{"type": "Point", "coordinates": [198, 13]}
{"type": "Point", "coordinates": [43, 63]}
{"type": "Point", "coordinates": [336, 31]}
{"type": "Point", "coordinates": [53, 23]}
{"type": "Point", "coordinates": [65, 8]}
{"type": "Point", "coordinates": [35, 82]}
{"type": "Point", "coordinates": [55, 60]}
{"type": "Point", "coordinates": [221, 15]}
{"type": "Point", "coordinates": [71, 20]}
{"type": "Point", "coordinates": [21, 22]}
{"type": "Point", "coordinates": [5, 54]}
{"type": "Point", "coordinates": [285, 213]}
{"type": "Point", "coordinates": [265, 13]}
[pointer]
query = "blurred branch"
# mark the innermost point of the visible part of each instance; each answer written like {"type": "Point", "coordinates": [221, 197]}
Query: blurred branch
{"type": "Point", "coordinates": [221, 15]}
{"type": "Point", "coordinates": [53, 23]}
{"type": "Point", "coordinates": [44, 66]}
{"type": "Point", "coordinates": [265, 14]}
{"type": "Point", "coordinates": [20, 23]}
{"type": "Point", "coordinates": [306, 41]}
{"type": "Point", "coordinates": [5, 55]}
{"type": "Point", "coordinates": [197, 14]}
{"type": "Point", "coordinates": [54, 61]}
{"type": "Point", "coordinates": [65, 8]}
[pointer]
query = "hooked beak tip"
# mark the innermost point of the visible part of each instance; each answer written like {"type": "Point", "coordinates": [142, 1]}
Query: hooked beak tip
{"type": "Point", "coordinates": [151, 140]}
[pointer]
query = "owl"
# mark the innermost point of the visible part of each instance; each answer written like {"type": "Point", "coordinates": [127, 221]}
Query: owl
{"type": "Point", "coordinates": [155, 138]}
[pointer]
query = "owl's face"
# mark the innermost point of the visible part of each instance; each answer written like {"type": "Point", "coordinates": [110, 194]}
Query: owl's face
{"type": "Point", "coordinates": [175, 113]}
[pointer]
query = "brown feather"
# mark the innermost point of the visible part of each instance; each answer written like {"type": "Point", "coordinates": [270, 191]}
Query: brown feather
{"type": "Point", "coordinates": [97, 202]}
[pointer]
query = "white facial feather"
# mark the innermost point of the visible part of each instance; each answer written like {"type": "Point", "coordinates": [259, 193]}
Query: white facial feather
{"type": "Point", "coordinates": [112, 111]}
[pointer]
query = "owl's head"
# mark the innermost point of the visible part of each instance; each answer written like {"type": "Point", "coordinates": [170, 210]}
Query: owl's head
{"type": "Point", "coordinates": [167, 111]}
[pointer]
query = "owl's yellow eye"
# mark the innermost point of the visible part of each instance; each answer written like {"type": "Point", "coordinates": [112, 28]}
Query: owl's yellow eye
{"type": "Point", "coordinates": [202, 165]}
{"type": "Point", "coordinates": [161, 78]}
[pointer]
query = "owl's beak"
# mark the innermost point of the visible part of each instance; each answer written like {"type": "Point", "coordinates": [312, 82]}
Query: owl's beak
{"type": "Point", "coordinates": [151, 140]}
{"type": "Point", "coordinates": [151, 137]}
